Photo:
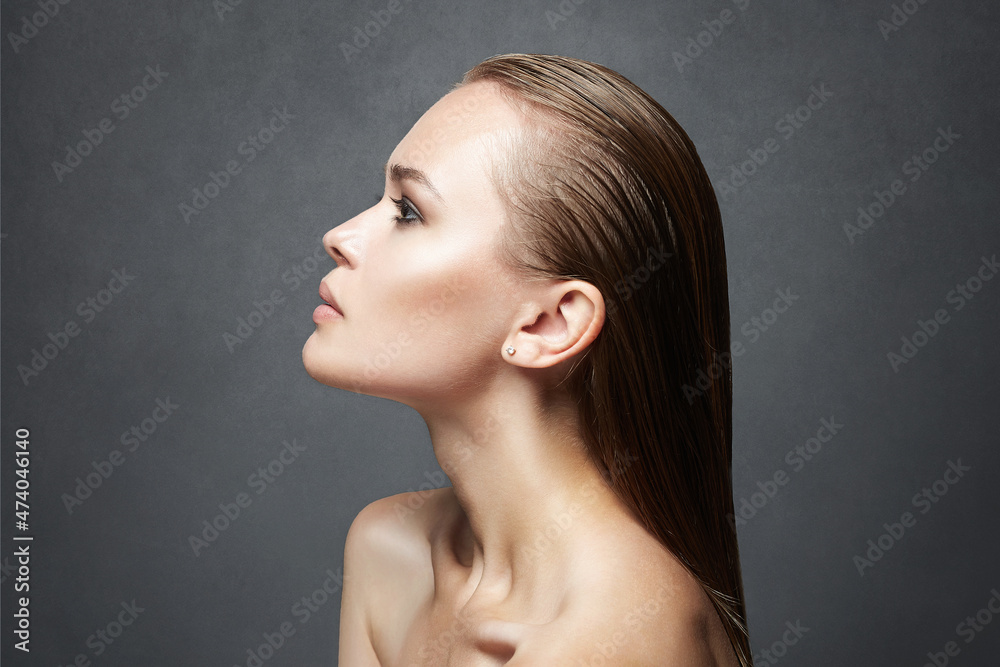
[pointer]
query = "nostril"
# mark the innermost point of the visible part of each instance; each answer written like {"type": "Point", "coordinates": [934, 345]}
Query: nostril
{"type": "Point", "coordinates": [338, 257]}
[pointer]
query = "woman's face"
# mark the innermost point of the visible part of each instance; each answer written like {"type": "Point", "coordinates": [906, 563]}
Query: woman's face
{"type": "Point", "coordinates": [426, 306]}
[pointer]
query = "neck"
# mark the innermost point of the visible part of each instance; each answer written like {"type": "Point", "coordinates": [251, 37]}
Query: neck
{"type": "Point", "coordinates": [520, 471]}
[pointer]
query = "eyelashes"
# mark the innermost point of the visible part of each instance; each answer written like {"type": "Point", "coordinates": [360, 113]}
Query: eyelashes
{"type": "Point", "coordinates": [407, 212]}
{"type": "Point", "coordinates": [405, 209]}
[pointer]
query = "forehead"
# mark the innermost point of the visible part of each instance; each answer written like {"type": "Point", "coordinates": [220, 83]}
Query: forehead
{"type": "Point", "coordinates": [459, 134]}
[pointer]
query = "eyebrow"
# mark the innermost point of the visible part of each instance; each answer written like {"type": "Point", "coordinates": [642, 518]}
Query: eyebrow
{"type": "Point", "coordinates": [398, 172]}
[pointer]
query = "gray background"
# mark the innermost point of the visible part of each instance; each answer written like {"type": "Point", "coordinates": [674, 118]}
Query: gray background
{"type": "Point", "coordinates": [163, 336]}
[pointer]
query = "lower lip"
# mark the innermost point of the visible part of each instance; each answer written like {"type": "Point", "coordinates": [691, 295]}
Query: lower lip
{"type": "Point", "coordinates": [326, 313]}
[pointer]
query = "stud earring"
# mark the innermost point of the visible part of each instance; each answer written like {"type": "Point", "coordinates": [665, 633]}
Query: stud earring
{"type": "Point", "coordinates": [510, 351]}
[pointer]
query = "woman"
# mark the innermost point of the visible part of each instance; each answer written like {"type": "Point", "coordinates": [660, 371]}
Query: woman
{"type": "Point", "coordinates": [543, 280]}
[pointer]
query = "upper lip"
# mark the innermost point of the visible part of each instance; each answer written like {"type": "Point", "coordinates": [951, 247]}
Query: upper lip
{"type": "Point", "coordinates": [326, 295]}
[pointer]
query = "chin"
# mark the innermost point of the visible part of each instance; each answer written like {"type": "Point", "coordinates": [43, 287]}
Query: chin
{"type": "Point", "coordinates": [321, 367]}
{"type": "Point", "coordinates": [312, 359]}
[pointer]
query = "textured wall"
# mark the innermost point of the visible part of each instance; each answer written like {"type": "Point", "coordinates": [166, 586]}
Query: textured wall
{"type": "Point", "coordinates": [852, 145]}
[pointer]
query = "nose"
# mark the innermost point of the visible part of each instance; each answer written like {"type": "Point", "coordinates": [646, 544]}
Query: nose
{"type": "Point", "coordinates": [335, 243]}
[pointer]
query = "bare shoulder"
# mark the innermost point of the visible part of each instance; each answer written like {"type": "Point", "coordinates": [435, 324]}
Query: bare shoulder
{"type": "Point", "coordinates": [640, 607]}
{"type": "Point", "coordinates": [387, 569]}
{"type": "Point", "coordinates": [400, 522]}
{"type": "Point", "coordinates": [390, 539]}
{"type": "Point", "coordinates": [625, 600]}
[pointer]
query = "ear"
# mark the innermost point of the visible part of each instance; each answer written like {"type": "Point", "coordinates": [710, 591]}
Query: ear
{"type": "Point", "coordinates": [558, 324]}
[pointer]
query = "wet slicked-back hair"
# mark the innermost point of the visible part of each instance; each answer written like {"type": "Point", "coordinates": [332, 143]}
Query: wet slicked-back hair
{"type": "Point", "coordinates": [604, 186]}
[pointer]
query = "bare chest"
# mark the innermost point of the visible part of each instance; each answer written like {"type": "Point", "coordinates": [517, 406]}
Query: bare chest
{"type": "Point", "coordinates": [447, 629]}
{"type": "Point", "coordinates": [443, 639]}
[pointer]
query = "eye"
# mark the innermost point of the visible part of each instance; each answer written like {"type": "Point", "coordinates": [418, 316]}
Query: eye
{"type": "Point", "coordinates": [408, 214]}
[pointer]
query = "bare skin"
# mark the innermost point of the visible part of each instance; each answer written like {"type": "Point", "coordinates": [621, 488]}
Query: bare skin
{"type": "Point", "coordinates": [611, 593]}
{"type": "Point", "coordinates": [529, 558]}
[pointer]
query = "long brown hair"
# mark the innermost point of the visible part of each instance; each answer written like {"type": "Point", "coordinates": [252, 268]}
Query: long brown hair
{"type": "Point", "coordinates": [604, 186]}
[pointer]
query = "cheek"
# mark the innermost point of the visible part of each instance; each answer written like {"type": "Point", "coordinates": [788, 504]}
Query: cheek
{"type": "Point", "coordinates": [424, 319]}
{"type": "Point", "coordinates": [431, 328]}
{"type": "Point", "coordinates": [427, 309]}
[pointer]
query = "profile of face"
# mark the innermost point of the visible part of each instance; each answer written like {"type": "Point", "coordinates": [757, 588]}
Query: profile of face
{"type": "Point", "coordinates": [425, 306]}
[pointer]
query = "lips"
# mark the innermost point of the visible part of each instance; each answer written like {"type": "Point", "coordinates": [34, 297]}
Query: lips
{"type": "Point", "coordinates": [327, 296]}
